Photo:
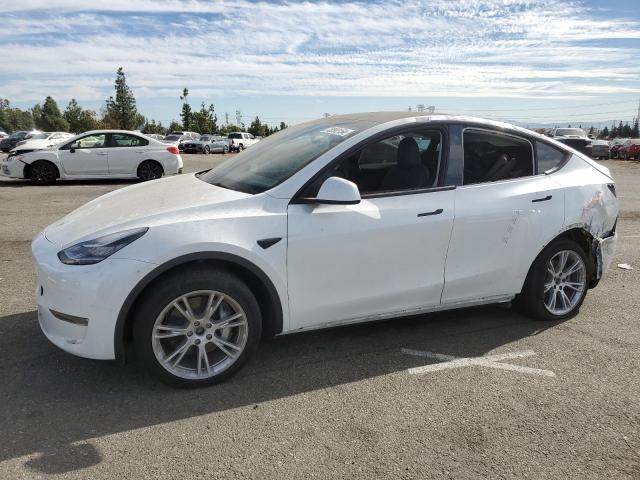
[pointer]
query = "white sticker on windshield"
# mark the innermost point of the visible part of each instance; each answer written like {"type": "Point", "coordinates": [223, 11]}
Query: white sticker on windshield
{"type": "Point", "coordinates": [342, 132]}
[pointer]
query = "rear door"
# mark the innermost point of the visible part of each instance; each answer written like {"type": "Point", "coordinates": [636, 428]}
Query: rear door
{"type": "Point", "coordinates": [87, 155]}
{"type": "Point", "coordinates": [505, 213]}
{"type": "Point", "coordinates": [126, 152]}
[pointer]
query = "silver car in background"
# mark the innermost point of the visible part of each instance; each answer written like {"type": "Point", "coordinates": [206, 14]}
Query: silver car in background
{"type": "Point", "coordinates": [599, 149]}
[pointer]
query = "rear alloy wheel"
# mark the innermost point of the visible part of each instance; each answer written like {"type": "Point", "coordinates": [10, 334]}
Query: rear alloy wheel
{"type": "Point", "coordinates": [150, 170]}
{"type": "Point", "coordinates": [206, 150]}
{"type": "Point", "coordinates": [43, 172]}
{"type": "Point", "coordinates": [557, 282]}
{"type": "Point", "coordinates": [225, 150]}
{"type": "Point", "coordinates": [197, 327]}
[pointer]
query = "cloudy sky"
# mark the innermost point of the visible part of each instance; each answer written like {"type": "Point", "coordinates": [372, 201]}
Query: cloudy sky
{"type": "Point", "coordinates": [529, 61]}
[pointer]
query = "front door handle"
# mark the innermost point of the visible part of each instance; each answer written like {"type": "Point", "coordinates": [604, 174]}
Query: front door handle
{"type": "Point", "coordinates": [548, 197]}
{"type": "Point", "coordinates": [427, 214]}
{"type": "Point", "coordinates": [102, 153]}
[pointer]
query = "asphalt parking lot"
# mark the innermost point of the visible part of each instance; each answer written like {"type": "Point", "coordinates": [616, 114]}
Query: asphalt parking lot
{"type": "Point", "coordinates": [552, 400]}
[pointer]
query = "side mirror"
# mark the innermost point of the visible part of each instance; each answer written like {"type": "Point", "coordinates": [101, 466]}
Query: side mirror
{"type": "Point", "coordinates": [73, 147]}
{"type": "Point", "coordinates": [337, 191]}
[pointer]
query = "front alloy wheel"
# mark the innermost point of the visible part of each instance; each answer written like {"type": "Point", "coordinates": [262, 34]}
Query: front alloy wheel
{"type": "Point", "coordinates": [196, 326]}
{"type": "Point", "coordinates": [200, 334]}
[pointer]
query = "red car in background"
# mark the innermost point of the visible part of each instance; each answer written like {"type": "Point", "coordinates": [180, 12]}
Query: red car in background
{"type": "Point", "coordinates": [630, 149]}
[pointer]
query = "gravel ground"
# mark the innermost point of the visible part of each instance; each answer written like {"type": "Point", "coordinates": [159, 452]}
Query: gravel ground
{"type": "Point", "coordinates": [336, 403]}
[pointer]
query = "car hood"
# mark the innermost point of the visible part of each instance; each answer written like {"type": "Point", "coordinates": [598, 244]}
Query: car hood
{"type": "Point", "coordinates": [141, 205]}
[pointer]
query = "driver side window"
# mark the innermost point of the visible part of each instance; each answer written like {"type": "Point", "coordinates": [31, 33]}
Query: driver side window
{"type": "Point", "coordinates": [90, 141]}
{"type": "Point", "coordinates": [399, 163]}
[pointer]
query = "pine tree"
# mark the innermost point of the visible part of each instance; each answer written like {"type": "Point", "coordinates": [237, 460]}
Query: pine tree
{"type": "Point", "coordinates": [187, 114]}
{"type": "Point", "coordinates": [79, 119]}
{"type": "Point", "coordinates": [604, 133]}
{"type": "Point", "coordinates": [635, 131]}
{"type": "Point", "coordinates": [121, 112]}
{"type": "Point", "coordinates": [48, 117]}
{"type": "Point", "coordinates": [256, 128]}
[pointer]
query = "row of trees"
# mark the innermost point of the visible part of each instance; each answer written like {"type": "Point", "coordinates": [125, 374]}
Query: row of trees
{"type": "Point", "coordinates": [205, 120]}
{"type": "Point", "coordinates": [119, 111]}
{"type": "Point", "coordinates": [619, 131]}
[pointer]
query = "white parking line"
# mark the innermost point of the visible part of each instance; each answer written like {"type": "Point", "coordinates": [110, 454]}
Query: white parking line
{"type": "Point", "coordinates": [491, 361]}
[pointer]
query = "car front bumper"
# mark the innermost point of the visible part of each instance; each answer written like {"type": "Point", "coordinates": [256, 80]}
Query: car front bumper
{"type": "Point", "coordinates": [78, 305]}
{"type": "Point", "coordinates": [12, 168]}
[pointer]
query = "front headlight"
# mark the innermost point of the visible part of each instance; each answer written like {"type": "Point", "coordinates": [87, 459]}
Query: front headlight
{"type": "Point", "coordinates": [96, 250]}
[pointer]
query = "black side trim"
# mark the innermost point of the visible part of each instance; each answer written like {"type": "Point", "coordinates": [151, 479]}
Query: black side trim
{"type": "Point", "coordinates": [428, 214]}
{"type": "Point", "coordinates": [118, 339]}
{"type": "Point", "coordinates": [548, 197]}
{"type": "Point", "coordinates": [312, 201]}
{"type": "Point", "coordinates": [409, 192]}
{"type": "Point", "coordinates": [268, 242]}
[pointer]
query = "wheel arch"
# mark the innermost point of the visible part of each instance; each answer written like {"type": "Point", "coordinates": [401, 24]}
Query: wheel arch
{"type": "Point", "coordinates": [27, 167]}
{"type": "Point", "coordinates": [586, 240]}
{"type": "Point", "coordinates": [252, 275]}
{"type": "Point", "coordinates": [150, 160]}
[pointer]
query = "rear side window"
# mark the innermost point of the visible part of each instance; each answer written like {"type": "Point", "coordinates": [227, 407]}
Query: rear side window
{"type": "Point", "coordinates": [124, 140]}
{"type": "Point", "coordinates": [490, 157]}
{"type": "Point", "coordinates": [548, 157]}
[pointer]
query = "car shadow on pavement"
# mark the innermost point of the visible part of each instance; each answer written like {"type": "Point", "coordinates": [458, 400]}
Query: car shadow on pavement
{"type": "Point", "coordinates": [53, 403]}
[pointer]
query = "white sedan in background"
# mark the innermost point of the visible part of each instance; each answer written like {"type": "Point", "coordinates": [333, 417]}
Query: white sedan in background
{"type": "Point", "coordinates": [337, 221]}
{"type": "Point", "coordinates": [94, 155]}
{"type": "Point", "coordinates": [40, 141]}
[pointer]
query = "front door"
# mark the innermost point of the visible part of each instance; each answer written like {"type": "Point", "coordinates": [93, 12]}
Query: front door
{"type": "Point", "coordinates": [383, 256]}
{"type": "Point", "coordinates": [86, 156]}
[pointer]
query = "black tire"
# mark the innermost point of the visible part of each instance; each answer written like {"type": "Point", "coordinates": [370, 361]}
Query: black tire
{"type": "Point", "coordinates": [225, 149]}
{"type": "Point", "coordinates": [530, 301]}
{"type": "Point", "coordinates": [240, 148]}
{"type": "Point", "coordinates": [150, 170]}
{"type": "Point", "coordinates": [206, 150]}
{"type": "Point", "coordinates": [43, 172]}
{"type": "Point", "coordinates": [182, 282]}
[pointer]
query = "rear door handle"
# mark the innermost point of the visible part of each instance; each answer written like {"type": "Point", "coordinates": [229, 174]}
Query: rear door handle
{"type": "Point", "coordinates": [427, 214]}
{"type": "Point", "coordinates": [102, 153]}
{"type": "Point", "coordinates": [548, 197]}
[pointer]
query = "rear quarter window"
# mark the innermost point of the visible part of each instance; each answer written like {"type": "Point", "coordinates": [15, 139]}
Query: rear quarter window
{"type": "Point", "coordinates": [548, 157]}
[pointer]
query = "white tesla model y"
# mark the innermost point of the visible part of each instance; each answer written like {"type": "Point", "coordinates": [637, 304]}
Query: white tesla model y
{"type": "Point", "coordinates": [340, 220]}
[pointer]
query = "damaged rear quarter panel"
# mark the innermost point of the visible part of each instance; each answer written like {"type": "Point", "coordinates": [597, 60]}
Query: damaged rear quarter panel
{"type": "Point", "coordinates": [591, 206]}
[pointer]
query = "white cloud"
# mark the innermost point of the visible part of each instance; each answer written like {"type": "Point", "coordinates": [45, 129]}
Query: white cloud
{"type": "Point", "coordinates": [512, 48]}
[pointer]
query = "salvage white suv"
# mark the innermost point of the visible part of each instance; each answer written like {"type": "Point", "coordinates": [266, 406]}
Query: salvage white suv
{"type": "Point", "coordinates": [341, 220]}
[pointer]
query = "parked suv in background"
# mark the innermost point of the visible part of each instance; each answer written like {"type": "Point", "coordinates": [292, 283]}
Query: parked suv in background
{"type": "Point", "coordinates": [574, 137]}
{"type": "Point", "coordinates": [240, 140]}
{"type": "Point", "coordinates": [630, 149]}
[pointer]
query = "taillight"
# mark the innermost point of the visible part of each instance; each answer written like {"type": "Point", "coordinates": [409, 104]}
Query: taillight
{"type": "Point", "coordinates": [173, 149]}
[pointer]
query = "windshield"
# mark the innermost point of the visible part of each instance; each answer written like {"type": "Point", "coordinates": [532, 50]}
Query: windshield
{"type": "Point", "coordinates": [36, 136]}
{"type": "Point", "coordinates": [172, 137]}
{"type": "Point", "coordinates": [570, 131]}
{"type": "Point", "coordinates": [276, 158]}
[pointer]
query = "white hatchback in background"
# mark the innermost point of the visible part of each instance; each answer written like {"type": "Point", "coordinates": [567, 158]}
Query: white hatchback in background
{"type": "Point", "coordinates": [40, 141]}
{"type": "Point", "coordinates": [96, 154]}
{"type": "Point", "coordinates": [341, 220]}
